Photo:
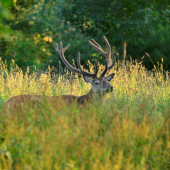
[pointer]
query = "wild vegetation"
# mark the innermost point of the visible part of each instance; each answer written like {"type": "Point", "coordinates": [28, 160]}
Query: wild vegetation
{"type": "Point", "coordinates": [36, 25]}
{"type": "Point", "coordinates": [130, 129]}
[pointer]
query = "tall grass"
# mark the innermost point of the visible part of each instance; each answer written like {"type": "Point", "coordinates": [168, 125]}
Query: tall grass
{"type": "Point", "coordinates": [130, 130]}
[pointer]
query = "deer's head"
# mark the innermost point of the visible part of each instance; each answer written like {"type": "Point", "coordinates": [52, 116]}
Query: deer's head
{"type": "Point", "coordinates": [99, 85]}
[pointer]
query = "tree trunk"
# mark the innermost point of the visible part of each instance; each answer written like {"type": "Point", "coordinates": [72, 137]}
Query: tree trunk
{"type": "Point", "coordinates": [124, 44]}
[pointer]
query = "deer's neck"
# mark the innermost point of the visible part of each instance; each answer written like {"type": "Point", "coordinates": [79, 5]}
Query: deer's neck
{"type": "Point", "coordinates": [88, 98]}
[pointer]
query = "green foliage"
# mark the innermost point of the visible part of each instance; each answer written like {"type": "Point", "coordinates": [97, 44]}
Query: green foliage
{"type": "Point", "coordinates": [37, 26]}
{"type": "Point", "coordinates": [5, 14]}
{"type": "Point", "coordinates": [97, 17]}
{"type": "Point", "coordinates": [157, 46]}
{"type": "Point", "coordinates": [129, 130]}
{"type": "Point", "coordinates": [30, 29]}
{"type": "Point", "coordinates": [121, 20]}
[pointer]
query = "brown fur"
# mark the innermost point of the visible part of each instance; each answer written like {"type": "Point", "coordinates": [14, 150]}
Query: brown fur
{"type": "Point", "coordinates": [16, 101]}
{"type": "Point", "coordinates": [97, 90]}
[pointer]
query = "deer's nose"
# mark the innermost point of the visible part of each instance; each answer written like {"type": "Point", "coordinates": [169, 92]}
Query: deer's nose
{"type": "Point", "coordinates": [110, 87]}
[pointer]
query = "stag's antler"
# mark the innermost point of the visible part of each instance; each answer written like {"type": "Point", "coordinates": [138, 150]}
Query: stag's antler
{"type": "Point", "coordinates": [107, 54]}
{"type": "Point", "coordinates": [80, 70]}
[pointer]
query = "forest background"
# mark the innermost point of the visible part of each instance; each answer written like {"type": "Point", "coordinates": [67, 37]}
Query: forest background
{"type": "Point", "coordinates": [29, 30]}
{"type": "Point", "coordinates": [130, 129]}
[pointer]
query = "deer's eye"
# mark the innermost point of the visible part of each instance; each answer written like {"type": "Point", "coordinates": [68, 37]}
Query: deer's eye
{"type": "Point", "coordinates": [96, 82]}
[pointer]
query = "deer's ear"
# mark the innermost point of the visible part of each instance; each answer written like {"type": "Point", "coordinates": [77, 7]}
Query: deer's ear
{"type": "Point", "coordinates": [108, 78]}
{"type": "Point", "coordinates": [87, 79]}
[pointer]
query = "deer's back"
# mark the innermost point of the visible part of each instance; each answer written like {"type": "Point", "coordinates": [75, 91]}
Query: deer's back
{"type": "Point", "coordinates": [17, 100]}
{"type": "Point", "coordinates": [33, 99]}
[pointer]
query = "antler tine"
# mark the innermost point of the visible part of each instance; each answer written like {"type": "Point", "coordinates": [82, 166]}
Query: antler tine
{"type": "Point", "coordinates": [108, 45]}
{"type": "Point", "coordinates": [61, 53]}
{"type": "Point", "coordinates": [105, 70]}
{"type": "Point", "coordinates": [114, 61]}
{"type": "Point", "coordinates": [80, 70]}
{"type": "Point", "coordinates": [58, 51]}
{"type": "Point", "coordinates": [107, 54]}
{"type": "Point", "coordinates": [85, 72]}
{"type": "Point", "coordinates": [96, 46]}
{"type": "Point", "coordinates": [94, 42]}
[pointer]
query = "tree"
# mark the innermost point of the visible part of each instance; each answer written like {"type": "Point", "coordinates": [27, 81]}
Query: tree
{"type": "Point", "coordinates": [7, 15]}
{"type": "Point", "coordinates": [126, 21]}
{"type": "Point", "coordinates": [157, 46]}
{"type": "Point", "coordinates": [36, 26]}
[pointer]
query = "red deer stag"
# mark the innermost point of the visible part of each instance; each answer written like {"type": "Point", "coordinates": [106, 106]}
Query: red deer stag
{"type": "Point", "coordinates": [100, 86]}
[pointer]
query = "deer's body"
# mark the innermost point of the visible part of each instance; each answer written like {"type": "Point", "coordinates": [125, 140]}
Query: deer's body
{"type": "Point", "coordinates": [16, 101]}
{"type": "Point", "coordinates": [100, 86]}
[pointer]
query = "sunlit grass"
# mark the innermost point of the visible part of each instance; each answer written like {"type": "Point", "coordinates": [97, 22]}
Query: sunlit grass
{"type": "Point", "coordinates": [129, 130]}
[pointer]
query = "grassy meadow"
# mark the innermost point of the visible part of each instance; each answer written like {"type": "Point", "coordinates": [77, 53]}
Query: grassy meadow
{"type": "Point", "coordinates": [129, 130]}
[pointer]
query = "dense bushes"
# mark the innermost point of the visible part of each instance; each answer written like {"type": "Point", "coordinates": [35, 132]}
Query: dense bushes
{"type": "Point", "coordinates": [37, 25]}
{"type": "Point", "coordinates": [130, 129]}
{"type": "Point", "coordinates": [157, 45]}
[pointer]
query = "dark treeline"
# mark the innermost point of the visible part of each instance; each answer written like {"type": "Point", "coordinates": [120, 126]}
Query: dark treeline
{"type": "Point", "coordinates": [29, 30]}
